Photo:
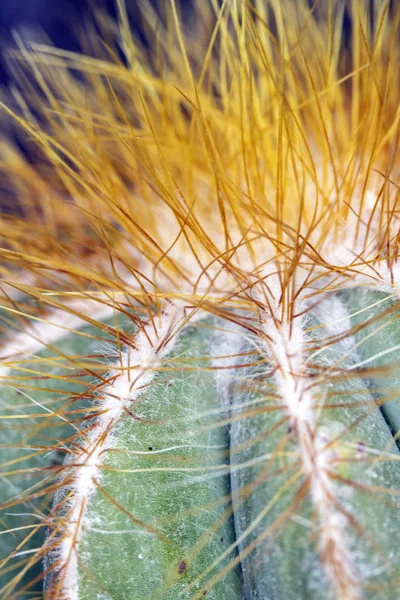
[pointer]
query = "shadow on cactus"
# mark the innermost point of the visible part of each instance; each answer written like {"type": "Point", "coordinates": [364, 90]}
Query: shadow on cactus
{"type": "Point", "coordinates": [200, 308]}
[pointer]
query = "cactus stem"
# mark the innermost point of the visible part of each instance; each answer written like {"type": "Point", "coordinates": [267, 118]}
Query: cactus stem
{"type": "Point", "coordinates": [286, 352]}
{"type": "Point", "coordinates": [150, 346]}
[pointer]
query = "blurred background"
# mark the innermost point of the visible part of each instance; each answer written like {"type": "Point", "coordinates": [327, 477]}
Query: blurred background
{"type": "Point", "coordinates": [60, 20]}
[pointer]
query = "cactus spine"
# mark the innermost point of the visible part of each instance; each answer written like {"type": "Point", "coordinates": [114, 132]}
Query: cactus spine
{"type": "Point", "coordinates": [199, 308]}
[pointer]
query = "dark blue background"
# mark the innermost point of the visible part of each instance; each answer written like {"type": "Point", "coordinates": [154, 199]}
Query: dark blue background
{"type": "Point", "coordinates": [60, 20]}
{"type": "Point", "coordinates": [55, 17]}
{"type": "Point", "coordinates": [63, 21]}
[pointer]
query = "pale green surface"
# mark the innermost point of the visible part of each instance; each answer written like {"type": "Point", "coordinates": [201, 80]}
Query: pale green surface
{"type": "Point", "coordinates": [27, 435]}
{"type": "Point", "coordinates": [184, 506]}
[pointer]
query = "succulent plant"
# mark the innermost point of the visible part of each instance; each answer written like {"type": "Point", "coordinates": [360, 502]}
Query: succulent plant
{"type": "Point", "coordinates": [200, 313]}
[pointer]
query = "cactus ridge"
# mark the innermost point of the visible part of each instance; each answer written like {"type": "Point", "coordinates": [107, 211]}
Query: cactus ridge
{"type": "Point", "coordinates": [133, 372]}
{"type": "Point", "coordinates": [286, 353]}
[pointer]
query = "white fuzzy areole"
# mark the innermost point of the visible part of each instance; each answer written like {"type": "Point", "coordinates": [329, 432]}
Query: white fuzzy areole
{"type": "Point", "coordinates": [135, 370]}
{"type": "Point", "coordinates": [286, 352]}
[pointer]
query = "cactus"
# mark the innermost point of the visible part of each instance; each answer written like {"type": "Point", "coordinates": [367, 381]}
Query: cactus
{"type": "Point", "coordinates": [199, 373]}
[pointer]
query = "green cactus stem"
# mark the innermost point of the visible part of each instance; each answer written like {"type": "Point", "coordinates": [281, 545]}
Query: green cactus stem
{"type": "Point", "coordinates": [44, 384]}
{"type": "Point", "coordinates": [237, 466]}
{"type": "Point", "coordinates": [200, 295]}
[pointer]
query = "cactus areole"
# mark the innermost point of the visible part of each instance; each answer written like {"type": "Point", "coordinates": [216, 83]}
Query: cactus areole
{"type": "Point", "coordinates": [200, 307]}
